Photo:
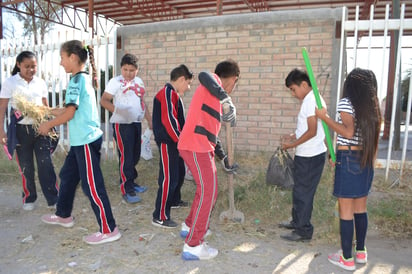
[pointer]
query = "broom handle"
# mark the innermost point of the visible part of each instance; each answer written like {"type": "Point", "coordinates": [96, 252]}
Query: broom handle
{"type": "Point", "coordinates": [230, 156]}
{"type": "Point", "coordinates": [318, 102]}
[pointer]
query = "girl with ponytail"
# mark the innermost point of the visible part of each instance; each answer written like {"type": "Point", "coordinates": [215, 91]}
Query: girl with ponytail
{"type": "Point", "coordinates": [83, 160]}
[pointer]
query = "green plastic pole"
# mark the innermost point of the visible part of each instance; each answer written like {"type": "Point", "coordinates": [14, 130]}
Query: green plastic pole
{"type": "Point", "coordinates": [318, 102]}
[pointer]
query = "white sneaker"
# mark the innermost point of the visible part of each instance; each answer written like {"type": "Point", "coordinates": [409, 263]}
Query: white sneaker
{"type": "Point", "coordinates": [28, 206]}
{"type": "Point", "coordinates": [185, 230]}
{"type": "Point", "coordinates": [199, 252]}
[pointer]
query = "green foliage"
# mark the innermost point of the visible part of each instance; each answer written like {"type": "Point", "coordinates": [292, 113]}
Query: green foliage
{"type": "Point", "coordinates": [405, 90]}
{"type": "Point", "coordinates": [35, 25]}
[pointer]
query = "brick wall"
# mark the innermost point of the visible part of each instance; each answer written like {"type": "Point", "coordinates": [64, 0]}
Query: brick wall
{"type": "Point", "coordinates": [266, 46]}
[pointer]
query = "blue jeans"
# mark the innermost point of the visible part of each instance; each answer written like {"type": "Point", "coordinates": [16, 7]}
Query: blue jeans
{"type": "Point", "coordinates": [307, 174]}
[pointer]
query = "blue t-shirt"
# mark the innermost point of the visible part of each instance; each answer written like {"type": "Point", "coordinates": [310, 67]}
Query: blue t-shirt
{"type": "Point", "coordinates": [84, 128]}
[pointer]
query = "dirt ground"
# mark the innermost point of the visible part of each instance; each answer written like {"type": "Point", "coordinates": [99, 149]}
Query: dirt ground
{"type": "Point", "coordinates": [30, 246]}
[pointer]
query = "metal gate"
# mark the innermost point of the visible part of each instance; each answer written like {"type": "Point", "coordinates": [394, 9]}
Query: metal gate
{"type": "Point", "coordinates": [354, 43]}
{"type": "Point", "coordinates": [49, 69]}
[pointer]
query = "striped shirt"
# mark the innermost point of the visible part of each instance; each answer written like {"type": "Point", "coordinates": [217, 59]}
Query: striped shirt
{"type": "Point", "coordinates": [345, 105]}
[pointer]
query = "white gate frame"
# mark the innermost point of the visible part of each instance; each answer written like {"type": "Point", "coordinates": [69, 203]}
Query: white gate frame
{"type": "Point", "coordinates": [380, 25]}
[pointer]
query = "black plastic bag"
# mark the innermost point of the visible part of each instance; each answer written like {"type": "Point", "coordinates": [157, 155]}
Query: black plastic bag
{"type": "Point", "coordinates": [280, 170]}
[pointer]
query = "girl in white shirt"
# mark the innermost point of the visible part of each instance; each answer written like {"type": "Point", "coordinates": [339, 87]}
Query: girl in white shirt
{"type": "Point", "coordinates": [26, 84]}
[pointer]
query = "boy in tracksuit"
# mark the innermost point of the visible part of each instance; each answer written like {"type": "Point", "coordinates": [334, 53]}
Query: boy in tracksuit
{"type": "Point", "coordinates": [168, 121]}
{"type": "Point", "coordinates": [196, 146]}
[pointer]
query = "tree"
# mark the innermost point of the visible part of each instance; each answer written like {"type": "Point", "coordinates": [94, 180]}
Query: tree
{"type": "Point", "coordinates": [34, 26]}
{"type": "Point", "coordinates": [10, 28]}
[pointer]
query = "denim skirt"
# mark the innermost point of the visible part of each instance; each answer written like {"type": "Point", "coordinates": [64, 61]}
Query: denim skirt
{"type": "Point", "coordinates": [351, 181]}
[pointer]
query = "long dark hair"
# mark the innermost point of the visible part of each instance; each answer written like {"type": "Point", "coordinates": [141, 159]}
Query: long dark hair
{"type": "Point", "coordinates": [77, 48]}
{"type": "Point", "coordinates": [361, 88]}
{"type": "Point", "coordinates": [22, 55]}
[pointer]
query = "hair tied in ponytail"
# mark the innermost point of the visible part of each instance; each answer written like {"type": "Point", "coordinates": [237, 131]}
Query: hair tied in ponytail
{"type": "Point", "coordinates": [86, 48]}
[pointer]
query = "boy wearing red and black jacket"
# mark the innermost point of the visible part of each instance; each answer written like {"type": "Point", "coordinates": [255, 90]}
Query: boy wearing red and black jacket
{"type": "Point", "coordinates": [197, 144]}
{"type": "Point", "coordinates": [168, 121]}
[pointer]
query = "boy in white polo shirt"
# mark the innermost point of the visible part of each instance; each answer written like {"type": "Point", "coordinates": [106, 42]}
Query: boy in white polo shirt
{"type": "Point", "coordinates": [309, 157]}
{"type": "Point", "coordinates": [124, 97]}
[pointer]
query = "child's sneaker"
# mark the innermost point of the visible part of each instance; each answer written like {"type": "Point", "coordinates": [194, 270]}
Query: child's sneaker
{"type": "Point", "coordinates": [140, 189]}
{"type": "Point", "coordinates": [56, 220]}
{"type": "Point", "coordinates": [339, 260]}
{"type": "Point", "coordinates": [361, 256]}
{"type": "Point", "coordinates": [28, 206]}
{"type": "Point", "coordinates": [180, 204]}
{"type": "Point", "coordinates": [185, 230]}
{"type": "Point", "coordinates": [131, 198]}
{"type": "Point", "coordinates": [165, 223]}
{"type": "Point", "coordinates": [199, 252]}
{"type": "Point", "coordinates": [100, 238]}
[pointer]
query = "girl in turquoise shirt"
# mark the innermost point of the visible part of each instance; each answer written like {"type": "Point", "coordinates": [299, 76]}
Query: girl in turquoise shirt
{"type": "Point", "coordinates": [83, 161]}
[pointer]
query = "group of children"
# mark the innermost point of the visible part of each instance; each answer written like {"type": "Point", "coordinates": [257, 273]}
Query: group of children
{"type": "Point", "coordinates": [192, 142]}
{"type": "Point", "coordinates": [357, 127]}
{"type": "Point", "coordinates": [124, 98]}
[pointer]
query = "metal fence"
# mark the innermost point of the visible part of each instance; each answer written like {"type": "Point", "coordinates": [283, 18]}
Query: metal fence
{"type": "Point", "coordinates": [49, 69]}
{"type": "Point", "coordinates": [376, 46]}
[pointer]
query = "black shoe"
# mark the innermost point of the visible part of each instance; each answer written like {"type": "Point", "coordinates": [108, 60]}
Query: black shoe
{"type": "Point", "coordinates": [164, 224]}
{"type": "Point", "coordinates": [180, 204]}
{"type": "Point", "coordinates": [287, 225]}
{"type": "Point", "coordinates": [294, 237]}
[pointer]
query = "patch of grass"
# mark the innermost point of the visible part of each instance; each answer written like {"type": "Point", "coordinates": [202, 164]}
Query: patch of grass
{"type": "Point", "coordinates": [8, 169]}
{"type": "Point", "coordinates": [390, 216]}
{"type": "Point", "coordinates": [390, 208]}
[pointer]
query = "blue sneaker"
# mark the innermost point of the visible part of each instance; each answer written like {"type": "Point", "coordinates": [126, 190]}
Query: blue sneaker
{"type": "Point", "coordinates": [140, 189]}
{"type": "Point", "coordinates": [131, 198]}
{"type": "Point", "coordinates": [185, 230]}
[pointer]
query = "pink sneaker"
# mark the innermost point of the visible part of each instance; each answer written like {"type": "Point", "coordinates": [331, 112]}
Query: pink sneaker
{"type": "Point", "coordinates": [337, 259]}
{"type": "Point", "coordinates": [361, 256]}
{"type": "Point", "coordinates": [100, 238]}
{"type": "Point", "coordinates": [56, 220]}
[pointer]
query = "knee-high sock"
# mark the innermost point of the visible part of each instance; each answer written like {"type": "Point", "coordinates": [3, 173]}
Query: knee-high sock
{"type": "Point", "coordinates": [361, 226]}
{"type": "Point", "coordinates": [346, 236]}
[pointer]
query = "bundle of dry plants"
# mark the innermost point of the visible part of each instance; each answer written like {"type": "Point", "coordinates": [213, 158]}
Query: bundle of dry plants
{"type": "Point", "coordinates": [38, 113]}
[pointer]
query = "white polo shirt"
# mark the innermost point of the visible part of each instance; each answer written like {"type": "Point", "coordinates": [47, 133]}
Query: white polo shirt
{"type": "Point", "coordinates": [33, 91]}
{"type": "Point", "coordinates": [127, 99]}
{"type": "Point", "coordinates": [315, 145]}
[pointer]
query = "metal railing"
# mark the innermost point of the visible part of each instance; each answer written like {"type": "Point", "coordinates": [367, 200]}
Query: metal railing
{"type": "Point", "coordinates": [49, 69]}
{"type": "Point", "coordinates": [383, 27]}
